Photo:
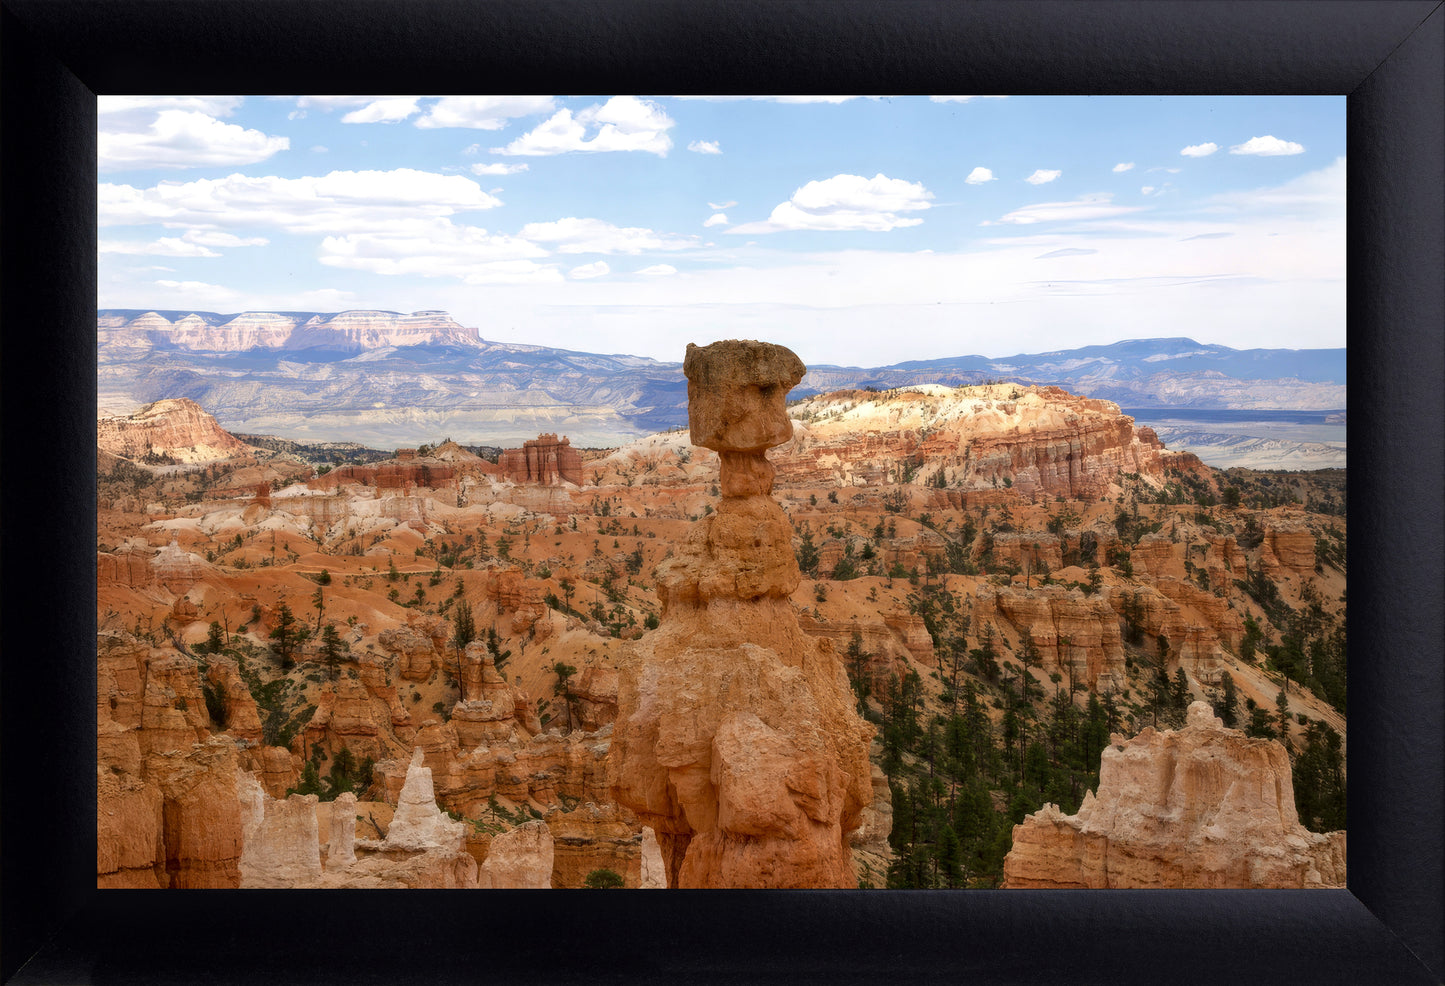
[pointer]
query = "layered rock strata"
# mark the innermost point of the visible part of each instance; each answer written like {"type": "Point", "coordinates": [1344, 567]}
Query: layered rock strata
{"type": "Point", "coordinates": [1043, 440]}
{"type": "Point", "coordinates": [736, 737]}
{"type": "Point", "coordinates": [1074, 634]}
{"type": "Point", "coordinates": [1202, 807]}
{"type": "Point", "coordinates": [545, 460]}
{"type": "Point", "coordinates": [176, 428]}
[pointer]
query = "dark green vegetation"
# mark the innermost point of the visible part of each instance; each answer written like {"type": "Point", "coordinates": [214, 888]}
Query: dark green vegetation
{"type": "Point", "coordinates": [346, 775]}
{"type": "Point", "coordinates": [603, 880]}
{"type": "Point", "coordinates": [995, 747]}
{"type": "Point", "coordinates": [969, 753]}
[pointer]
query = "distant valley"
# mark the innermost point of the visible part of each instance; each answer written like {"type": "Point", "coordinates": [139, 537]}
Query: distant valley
{"type": "Point", "coordinates": [388, 379]}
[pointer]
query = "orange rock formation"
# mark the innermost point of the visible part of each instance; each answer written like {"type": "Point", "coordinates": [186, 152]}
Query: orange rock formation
{"type": "Point", "coordinates": [736, 738]}
{"type": "Point", "coordinates": [175, 427]}
{"type": "Point", "coordinates": [545, 460]}
{"type": "Point", "coordinates": [1045, 440]}
{"type": "Point", "coordinates": [1202, 807]}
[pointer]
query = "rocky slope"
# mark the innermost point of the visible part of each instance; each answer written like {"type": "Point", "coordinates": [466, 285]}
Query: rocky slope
{"type": "Point", "coordinates": [175, 428]}
{"type": "Point", "coordinates": [1200, 807]}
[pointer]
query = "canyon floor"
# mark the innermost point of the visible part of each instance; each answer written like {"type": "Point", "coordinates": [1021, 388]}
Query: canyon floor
{"type": "Point", "coordinates": [1001, 604]}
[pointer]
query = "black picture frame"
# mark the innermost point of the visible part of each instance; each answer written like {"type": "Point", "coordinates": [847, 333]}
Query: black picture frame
{"type": "Point", "coordinates": [1386, 57]}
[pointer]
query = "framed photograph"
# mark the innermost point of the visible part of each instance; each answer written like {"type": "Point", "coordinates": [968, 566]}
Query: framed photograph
{"type": "Point", "coordinates": [1380, 67]}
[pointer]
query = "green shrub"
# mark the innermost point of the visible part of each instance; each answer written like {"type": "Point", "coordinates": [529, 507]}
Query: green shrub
{"type": "Point", "coordinates": [603, 880]}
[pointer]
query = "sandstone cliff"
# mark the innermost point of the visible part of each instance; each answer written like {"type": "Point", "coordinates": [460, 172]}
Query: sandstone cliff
{"type": "Point", "coordinates": [1042, 440]}
{"type": "Point", "coordinates": [167, 811]}
{"type": "Point", "coordinates": [545, 460]}
{"type": "Point", "coordinates": [1074, 634]}
{"type": "Point", "coordinates": [1201, 807]}
{"type": "Point", "coordinates": [176, 428]}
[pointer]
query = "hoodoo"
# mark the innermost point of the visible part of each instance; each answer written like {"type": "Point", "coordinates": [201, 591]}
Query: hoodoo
{"type": "Point", "coordinates": [737, 741]}
{"type": "Point", "coordinates": [1201, 807]}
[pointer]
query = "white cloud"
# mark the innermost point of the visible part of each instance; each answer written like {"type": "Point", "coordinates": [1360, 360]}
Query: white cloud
{"type": "Point", "coordinates": [778, 99]}
{"type": "Point", "coordinates": [145, 107]}
{"type": "Point", "coordinates": [204, 296]}
{"type": "Point", "coordinates": [623, 123]}
{"type": "Point", "coordinates": [705, 147]}
{"type": "Point", "coordinates": [1200, 150]}
{"type": "Point", "coordinates": [587, 271]}
{"type": "Point", "coordinates": [1098, 206]}
{"type": "Point", "coordinates": [296, 115]}
{"type": "Point", "coordinates": [195, 294]}
{"type": "Point", "coordinates": [1123, 166]}
{"type": "Point", "coordinates": [319, 149]}
{"type": "Point", "coordinates": [1042, 177]}
{"type": "Point", "coordinates": [219, 239]}
{"type": "Point", "coordinates": [716, 219]}
{"type": "Point", "coordinates": [978, 176]}
{"type": "Point", "coordinates": [321, 299]}
{"type": "Point", "coordinates": [719, 206]}
{"type": "Point", "coordinates": [1147, 190]}
{"type": "Point", "coordinates": [438, 249]}
{"type": "Point", "coordinates": [338, 202]}
{"type": "Point", "coordinates": [166, 246]}
{"type": "Point", "coordinates": [328, 103]}
{"type": "Point", "coordinates": [573, 235]}
{"type": "Point", "coordinates": [392, 109]}
{"type": "Point", "coordinates": [178, 138]}
{"type": "Point", "coordinates": [659, 270]}
{"type": "Point", "coordinates": [1267, 147]}
{"type": "Point", "coordinates": [1314, 195]}
{"type": "Point", "coordinates": [482, 112]}
{"type": "Point", "coordinates": [960, 99]}
{"type": "Point", "coordinates": [846, 202]}
{"type": "Point", "coordinates": [1066, 252]}
{"type": "Point", "coordinates": [513, 272]}
{"type": "Point", "coordinates": [498, 168]}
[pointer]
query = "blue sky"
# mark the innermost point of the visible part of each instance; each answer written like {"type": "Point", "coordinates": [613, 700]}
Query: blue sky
{"type": "Point", "coordinates": [856, 230]}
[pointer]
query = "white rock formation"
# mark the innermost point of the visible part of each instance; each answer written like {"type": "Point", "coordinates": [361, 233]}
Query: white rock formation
{"type": "Point", "coordinates": [418, 823]}
{"type": "Point", "coordinates": [283, 848]}
{"type": "Point", "coordinates": [654, 870]}
{"type": "Point", "coordinates": [341, 853]}
{"type": "Point", "coordinates": [520, 859]}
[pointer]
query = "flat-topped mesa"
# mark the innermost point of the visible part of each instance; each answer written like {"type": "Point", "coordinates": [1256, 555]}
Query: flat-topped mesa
{"type": "Point", "coordinates": [736, 739]}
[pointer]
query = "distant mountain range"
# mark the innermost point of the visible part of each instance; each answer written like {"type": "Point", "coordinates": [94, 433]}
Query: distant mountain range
{"type": "Point", "coordinates": [390, 378]}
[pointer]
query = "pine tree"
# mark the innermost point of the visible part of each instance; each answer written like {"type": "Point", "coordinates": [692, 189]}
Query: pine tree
{"type": "Point", "coordinates": [562, 687]}
{"type": "Point", "coordinates": [286, 636]}
{"type": "Point", "coordinates": [1180, 692]}
{"type": "Point", "coordinates": [1281, 705]}
{"type": "Point", "coordinates": [331, 650]}
{"type": "Point", "coordinates": [1228, 709]}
